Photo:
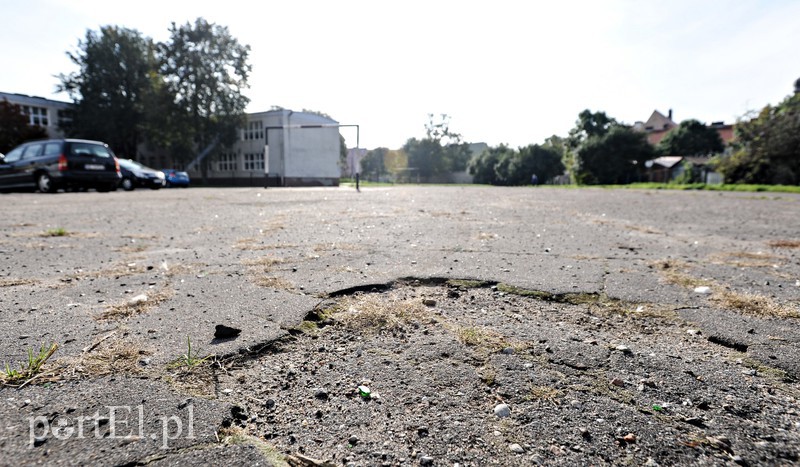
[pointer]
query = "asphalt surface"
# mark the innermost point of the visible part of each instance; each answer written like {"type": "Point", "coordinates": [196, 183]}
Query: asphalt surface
{"type": "Point", "coordinates": [74, 268]}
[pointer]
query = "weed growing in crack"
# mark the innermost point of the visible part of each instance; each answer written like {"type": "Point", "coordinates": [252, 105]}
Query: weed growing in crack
{"type": "Point", "coordinates": [190, 359]}
{"type": "Point", "coordinates": [11, 376]}
{"type": "Point", "coordinates": [57, 232]}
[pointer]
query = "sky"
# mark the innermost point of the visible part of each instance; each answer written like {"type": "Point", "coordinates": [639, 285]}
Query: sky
{"type": "Point", "coordinates": [505, 72]}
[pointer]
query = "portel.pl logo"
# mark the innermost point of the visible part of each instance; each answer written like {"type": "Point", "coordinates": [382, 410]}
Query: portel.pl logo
{"type": "Point", "coordinates": [122, 422]}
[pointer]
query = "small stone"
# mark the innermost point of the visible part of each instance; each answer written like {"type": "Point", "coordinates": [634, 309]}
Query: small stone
{"type": "Point", "coordinates": [618, 382]}
{"type": "Point", "coordinates": [353, 440]}
{"type": "Point", "coordinates": [144, 361]}
{"type": "Point", "coordinates": [426, 460]}
{"type": "Point", "coordinates": [269, 404]}
{"type": "Point", "coordinates": [516, 448]}
{"type": "Point", "coordinates": [629, 438]}
{"type": "Point", "coordinates": [321, 394]}
{"type": "Point", "coordinates": [225, 332]}
{"type": "Point", "coordinates": [502, 410]}
{"type": "Point", "coordinates": [585, 433]}
{"type": "Point", "coordinates": [137, 299]}
{"type": "Point", "coordinates": [622, 348]}
{"type": "Point", "coordinates": [422, 431]}
{"type": "Point", "coordinates": [704, 290]}
{"type": "Point", "coordinates": [429, 302]}
{"type": "Point", "coordinates": [693, 332]}
{"type": "Point", "coordinates": [508, 351]}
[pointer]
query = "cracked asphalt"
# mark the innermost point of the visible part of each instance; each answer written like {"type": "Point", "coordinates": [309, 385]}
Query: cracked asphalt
{"type": "Point", "coordinates": [125, 282]}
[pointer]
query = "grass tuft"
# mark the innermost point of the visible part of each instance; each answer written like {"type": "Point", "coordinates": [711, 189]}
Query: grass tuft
{"type": "Point", "coordinates": [57, 232]}
{"type": "Point", "coordinates": [11, 376]}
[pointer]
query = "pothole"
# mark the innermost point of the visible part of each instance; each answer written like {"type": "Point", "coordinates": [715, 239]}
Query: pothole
{"type": "Point", "coordinates": [412, 372]}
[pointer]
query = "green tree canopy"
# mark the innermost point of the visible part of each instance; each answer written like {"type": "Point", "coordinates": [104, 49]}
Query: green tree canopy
{"type": "Point", "coordinates": [15, 128]}
{"type": "Point", "coordinates": [483, 167]}
{"type": "Point", "coordinates": [374, 163]}
{"type": "Point", "coordinates": [206, 70]}
{"type": "Point", "coordinates": [691, 138]}
{"type": "Point", "coordinates": [615, 157]}
{"type": "Point", "coordinates": [767, 148]}
{"type": "Point", "coordinates": [440, 152]}
{"type": "Point", "coordinates": [590, 124]}
{"type": "Point", "coordinates": [114, 80]}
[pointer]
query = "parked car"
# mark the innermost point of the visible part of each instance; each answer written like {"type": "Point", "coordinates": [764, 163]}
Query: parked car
{"type": "Point", "coordinates": [135, 175]}
{"type": "Point", "coordinates": [54, 164]}
{"type": "Point", "coordinates": [176, 178]}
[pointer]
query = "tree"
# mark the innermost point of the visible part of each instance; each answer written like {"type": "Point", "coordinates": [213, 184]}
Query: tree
{"type": "Point", "coordinates": [116, 75]}
{"type": "Point", "coordinates": [590, 124]}
{"type": "Point", "coordinates": [767, 148]}
{"type": "Point", "coordinates": [206, 70]}
{"type": "Point", "coordinates": [374, 163]}
{"type": "Point", "coordinates": [691, 138]}
{"type": "Point", "coordinates": [440, 152]}
{"type": "Point", "coordinates": [542, 160]}
{"type": "Point", "coordinates": [15, 128]}
{"type": "Point", "coordinates": [612, 158]}
{"type": "Point", "coordinates": [483, 167]}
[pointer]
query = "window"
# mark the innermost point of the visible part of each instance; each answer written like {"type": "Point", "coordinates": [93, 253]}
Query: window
{"type": "Point", "coordinates": [52, 148]}
{"type": "Point", "coordinates": [227, 162]}
{"type": "Point", "coordinates": [64, 118]}
{"type": "Point", "coordinates": [32, 151]}
{"type": "Point", "coordinates": [254, 130]}
{"type": "Point", "coordinates": [254, 161]}
{"type": "Point", "coordinates": [36, 115]}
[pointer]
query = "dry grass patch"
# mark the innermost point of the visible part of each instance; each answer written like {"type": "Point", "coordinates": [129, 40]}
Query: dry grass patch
{"type": "Point", "coordinates": [545, 393]}
{"type": "Point", "coordinates": [116, 357]}
{"type": "Point", "coordinates": [253, 244]}
{"type": "Point", "coordinates": [376, 312]}
{"type": "Point", "coordinates": [486, 339]}
{"type": "Point", "coordinates": [16, 282]}
{"type": "Point", "coordinates": [274, 283]}
{"type": "Point", "coordinates": [674, 272]}
{"type": "Point", "coordinates": [784, 243]}
{"type": "Point", "coordinates": [334, 247]}
{"type": "Point", "coordinates": [135, 305]}
{"type": "Point", "coordinates": [742, 259]}
{"type": "Point", "coordinates": [266, 261]}
{"type": "Point", "coordinates": [755, 305]}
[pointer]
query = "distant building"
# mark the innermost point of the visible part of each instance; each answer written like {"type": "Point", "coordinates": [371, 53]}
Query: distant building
{"type": "Point", "coordinates": [47, 113]}
{"type": "Point", "coordinates": [656, 127]}
{"type": "Point", "coordinates": [277, 147]}
{"type": "Point", "coordinates": [666, 169]}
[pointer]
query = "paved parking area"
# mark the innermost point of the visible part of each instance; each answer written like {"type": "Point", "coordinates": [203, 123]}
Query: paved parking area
{"type": "Point", "coordinates": [148, 272]}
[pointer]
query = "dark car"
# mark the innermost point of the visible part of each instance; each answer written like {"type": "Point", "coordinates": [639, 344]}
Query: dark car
{"type": "Point", "coordinates": [135, 175]}
{"type": "Point", "coordinates": [55, 164]}
{"type": "Point", "coordinates": [176, 178]}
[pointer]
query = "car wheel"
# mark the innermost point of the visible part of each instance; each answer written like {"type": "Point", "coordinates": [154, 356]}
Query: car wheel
{"type": "Point", "coordinates": [127, 184]}
{"type": "Point", "coordinates": [44, 183]}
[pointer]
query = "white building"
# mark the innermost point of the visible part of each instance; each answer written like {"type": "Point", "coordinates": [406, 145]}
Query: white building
{"type": "Point", "coordinates": [278, 147]}
{"type": "Point", "coordinates": [46, 113]}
